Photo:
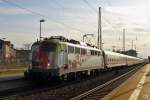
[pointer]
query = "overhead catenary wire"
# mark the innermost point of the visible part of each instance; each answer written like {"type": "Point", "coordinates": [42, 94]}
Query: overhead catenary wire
{"type": "Point", "coordinates": [42, 15]}
{"type": "Point", "coordinates": [96, 11]}
{"type": "Point", "coordinates": [107, 21]}
{"type": "Point", "coordinates": [61, 6]}
{"type": "Point", "coordinates": [53, 20]}
{"type": "Point", "coordinates": [109, 4]}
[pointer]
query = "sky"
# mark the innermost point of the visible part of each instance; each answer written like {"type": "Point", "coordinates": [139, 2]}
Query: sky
{"type": "Point", "coordinates": [20, 21]}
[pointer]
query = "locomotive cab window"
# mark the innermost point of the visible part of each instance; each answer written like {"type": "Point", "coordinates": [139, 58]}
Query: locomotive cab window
{"type": "Point", "coordinates": [34, 50]}
{"type": "Point", "coordinates": [49, 47]}
{"type": "Point", "coordinates": [35, 47]}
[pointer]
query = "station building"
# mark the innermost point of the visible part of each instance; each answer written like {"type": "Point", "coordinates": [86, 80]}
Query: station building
{"type": "Point", "coordinates": [23, 56]}
{"type": "Point", "coordinates": [130, 52]}
{"type": "Point", "coordinates": [7, 52]}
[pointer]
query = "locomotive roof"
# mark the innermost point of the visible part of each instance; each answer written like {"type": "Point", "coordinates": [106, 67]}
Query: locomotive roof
{"type": "Point", "coordinates": [121, 55]}
{"type": "Point", "coordinates": [68, 43]}
{"type": "Point", "coordinates": [71, 42]}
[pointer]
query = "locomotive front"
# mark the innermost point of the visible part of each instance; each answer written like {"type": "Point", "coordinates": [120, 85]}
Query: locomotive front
{"type": "Point", "coordinates": [43, 60]}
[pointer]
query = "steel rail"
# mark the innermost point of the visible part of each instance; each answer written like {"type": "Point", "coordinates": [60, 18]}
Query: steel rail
{"type": "Point", "coordinates": [11, 78]}
{"type": "Point", "coordinates": [85, 94]}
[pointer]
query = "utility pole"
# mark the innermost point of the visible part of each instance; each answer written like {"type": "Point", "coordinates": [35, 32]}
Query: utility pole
{"type": "Point", "coordinates": [42, 20]}
{"type": "Point", "coordinates": [99, 44]}
{"type": "Point", "coordinates": [123, 48]}
{"type": "Point", "coordinates": [85, 35]}
{"type": "Point", "coordinates": [132, 45]}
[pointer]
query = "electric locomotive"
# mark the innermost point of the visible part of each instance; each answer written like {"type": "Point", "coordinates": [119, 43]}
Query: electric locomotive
{"type": "Point", "coordinates": [58, 56]}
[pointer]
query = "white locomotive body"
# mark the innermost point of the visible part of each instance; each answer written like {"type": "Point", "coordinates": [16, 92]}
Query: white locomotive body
{"type": "Point", "coordinates": [80, 58]}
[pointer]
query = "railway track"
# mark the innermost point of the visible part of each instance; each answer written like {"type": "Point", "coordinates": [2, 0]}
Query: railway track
{"type": "Point", "coordinates": [11, 85]}
{"type": "Point", "coordinates": [63, 91]}
{"type": "Point", "coordinates": [11, 78]}
{"type": "Point", "coordinates": [29, 90]}
{"type": "Point", "coordinates": [102, 90]}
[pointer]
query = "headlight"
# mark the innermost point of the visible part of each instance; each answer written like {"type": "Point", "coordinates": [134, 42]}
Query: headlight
{"type": "Point", "coordinates": [48, 64]}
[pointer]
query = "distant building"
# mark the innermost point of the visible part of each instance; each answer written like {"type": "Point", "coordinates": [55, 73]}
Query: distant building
{"type": "Point", "coordinates": [7, 52]}
{"type": "Point", "coordinates": [149, 59]}
{"type": "Point", "coordinates": [130, 52]}
{"type": "Point", "coordinates": [10, 55]}
{"type": "Point", "coordinates": [1, 50]}
{"type": "Point", "coordinates": [22, 56]}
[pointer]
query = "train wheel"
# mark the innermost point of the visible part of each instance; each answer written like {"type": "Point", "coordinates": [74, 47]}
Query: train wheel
{"type": "Point", "coordinates": [56, 79]}
{"type": "Point", "coordinates": [92, 73]}
{"type": "Point", "coordinates": [71, 76]}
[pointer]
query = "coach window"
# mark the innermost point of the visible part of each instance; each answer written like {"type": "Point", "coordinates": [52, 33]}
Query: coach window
{"type": "Point", "coordinates": [108, 59]}
{"type": "Point", "coordinates": [77, 50]}
{"type": "Point", "coordinates": [70, 49]}
{"type": "Point", "coordinates": [99, 53]}
{"type": "Point", "coordinates": [92, 52]}
{"type": "Point", "coordinates": [96, 53]}
{"type": "Point", "coordinates": [83, 51]}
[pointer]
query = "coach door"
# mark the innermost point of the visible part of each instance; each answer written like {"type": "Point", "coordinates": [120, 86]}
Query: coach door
{"type": "Point", "coordinates": [105, 61]}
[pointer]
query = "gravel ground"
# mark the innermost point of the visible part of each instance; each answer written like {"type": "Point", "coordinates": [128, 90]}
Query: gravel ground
{"type": "Point", "coordinates": [13, 66]}
{"type": "Point", "coordinates": [67, 92]}
{"type": "Point", "coordinates": [12, 69]}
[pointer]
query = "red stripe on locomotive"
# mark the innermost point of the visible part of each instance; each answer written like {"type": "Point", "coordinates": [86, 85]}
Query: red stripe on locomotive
{"type": "Point", "coordinates": [43, 59]}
